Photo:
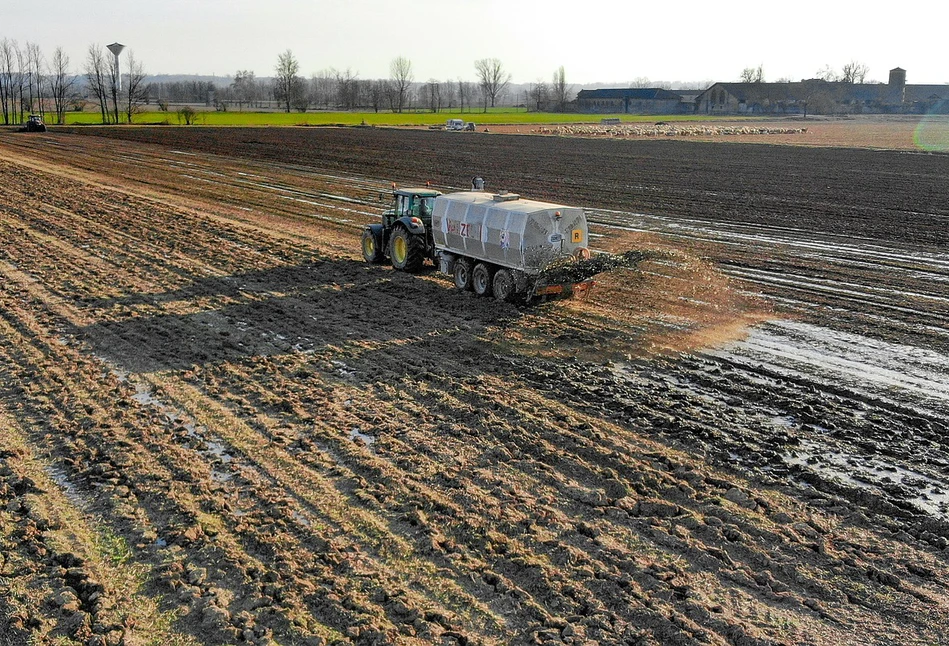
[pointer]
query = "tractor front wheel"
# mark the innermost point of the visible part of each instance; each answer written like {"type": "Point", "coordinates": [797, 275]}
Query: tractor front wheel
{"type": "Point", "coordinates": [371, 249]}
{"type": "Point", "coordinates": [481, 279]}
{"type": "Point", "coordinates": [407, 251]}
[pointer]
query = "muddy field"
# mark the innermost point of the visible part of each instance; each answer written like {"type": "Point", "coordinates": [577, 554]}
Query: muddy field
{"type": "Point", "coordinates": [218, 425]}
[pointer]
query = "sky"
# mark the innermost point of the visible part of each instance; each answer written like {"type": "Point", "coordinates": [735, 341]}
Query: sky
{"type": "Point", "coordinates": [614, 42]}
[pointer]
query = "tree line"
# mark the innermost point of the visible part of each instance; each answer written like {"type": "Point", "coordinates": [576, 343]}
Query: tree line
{"type": "Point", "coordinates": [853, 72]}
{"type": "Point", "coordinates": [31, 84]}
{"type": "Point", "coordinates": [400, 90]}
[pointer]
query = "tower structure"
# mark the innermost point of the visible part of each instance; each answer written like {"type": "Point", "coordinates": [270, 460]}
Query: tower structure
{"type": "Point", "coordinates": [116, 49]}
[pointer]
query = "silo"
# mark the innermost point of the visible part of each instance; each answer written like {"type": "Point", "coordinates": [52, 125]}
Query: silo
{"type": "Point", "coordinates": [897, 85]}
{"type": "Point", "coordinates": [897, 78]}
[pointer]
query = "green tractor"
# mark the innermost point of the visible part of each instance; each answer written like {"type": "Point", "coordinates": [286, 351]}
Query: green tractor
{"type": "Point", "coordinates": [405, 234]}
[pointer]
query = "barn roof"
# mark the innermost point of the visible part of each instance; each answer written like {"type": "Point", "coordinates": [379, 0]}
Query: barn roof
{"type": "Point", "coordinates": [926, 93]}
{"type": "Point", "coordinates": [633, 93]}
{"type": "Point", "coordinates": [860, 92]}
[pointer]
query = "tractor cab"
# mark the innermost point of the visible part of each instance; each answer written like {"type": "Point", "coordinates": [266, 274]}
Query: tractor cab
{"type": "Point", "coordinates": [405, 234]}
{"type": "Point", "coordinates": [411, 203]}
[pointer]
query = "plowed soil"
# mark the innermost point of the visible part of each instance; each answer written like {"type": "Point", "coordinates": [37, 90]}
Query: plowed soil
{"type": "Point", "coordinates": [219, 426]}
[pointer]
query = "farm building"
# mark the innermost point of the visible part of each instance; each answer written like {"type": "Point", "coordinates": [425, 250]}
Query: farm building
{"type": "Point", "coordinates": [817, 96]}
{"type": "Point", "coordinates": [631, 101]}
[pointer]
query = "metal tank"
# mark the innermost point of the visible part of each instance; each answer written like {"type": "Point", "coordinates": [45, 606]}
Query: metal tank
{"type": "Point", "coordinates": [508, 231]}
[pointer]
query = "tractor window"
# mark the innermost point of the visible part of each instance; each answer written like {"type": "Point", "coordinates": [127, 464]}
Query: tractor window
{"type": "Point", "coordinates": [425, 206]}
{"type": "Point", "coordinates": [402, 205]}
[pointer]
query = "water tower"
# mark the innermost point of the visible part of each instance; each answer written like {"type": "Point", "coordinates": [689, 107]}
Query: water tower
{"type": "Point", "coordinates": [116, 49]}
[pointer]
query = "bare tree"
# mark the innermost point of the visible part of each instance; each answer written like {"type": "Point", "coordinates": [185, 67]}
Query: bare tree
{"type": "Point", "coordinates": [285, 82]}
{"type": "Point", "coordinates": [818, 96]}
{"type": "Point", "coordinates": [433, 92]}
{"type": "Point", "coordinates": [539, 94]}
{"type": "Point", "coordinates": [401, 77]}
{"type": "Point", "coordinates": [854, 72]}
{"type": "Point", "coordinates": [492, 79]}
{"type": "Point", "coordinates": [134, 92]}
{"type": "Point", "coordinates": [448, 94]}
{"type": "Point", "coordinates": [377, 94]}
{"type": "Point", "coordinates": [826, 73]}
{"type": "Point", "coordinates": [640, 81]}
{"type": "Point", "coordinates": [559, 90]}
{"type": "Point", "coordinates": [21, 75]}
{"type": "Point", "coordinates": [9, 77]}
{"type": "Point", "coordinates": [464, 94]}
{"type": "Point", "coordinates": [97, 78]}
{"type": "Point", "coordinates": [299, 95]}
{"type": "Point", "coordinates": [34, 64]}
{"type": "Point", "coordinates": [753, 74]}
{"type": "Point", "coordinates": [244, 88]}
{"type": "Point", "coordinates": [322, 87]}
{"type": "Point", "coordinates": [347, 89]}
{"type": "Point", "coordinates": [61, 83]}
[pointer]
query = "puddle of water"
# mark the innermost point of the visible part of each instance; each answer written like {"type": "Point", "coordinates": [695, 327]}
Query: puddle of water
{"type": "Point", "coordinates": [356, 432]}
{"type": "Point", "coordinates": [58, 476]}
{"type": "Point", "coordinates": [300, 518]}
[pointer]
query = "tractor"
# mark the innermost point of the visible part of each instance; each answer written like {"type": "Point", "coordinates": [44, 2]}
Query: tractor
{"type": "Point", "coordinates": [34, 124]}
{"type": "Point", "coordinates": [405, 233]}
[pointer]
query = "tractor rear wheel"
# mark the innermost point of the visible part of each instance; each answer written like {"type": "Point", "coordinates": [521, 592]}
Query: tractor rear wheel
{"type": "Point", "coordinates": [481, 279]}
{"type": "Point", "coordinates": [504, 287]}
{"type": "Point", "coordinates": [461, 272]}
{"type": "Point", "coordinates": [406, 250]}
{"type": "Point", "coordinates": [371, 249]}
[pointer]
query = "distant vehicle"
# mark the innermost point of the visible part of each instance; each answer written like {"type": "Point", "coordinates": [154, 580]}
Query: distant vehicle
{"type": "Point", "coordinates": [459, 124]}
{"type": "Point", "coordinates": [34, 124]}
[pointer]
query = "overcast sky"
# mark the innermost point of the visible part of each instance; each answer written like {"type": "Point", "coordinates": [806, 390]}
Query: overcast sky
{"type": "Point", "coordinates": [609, 41]}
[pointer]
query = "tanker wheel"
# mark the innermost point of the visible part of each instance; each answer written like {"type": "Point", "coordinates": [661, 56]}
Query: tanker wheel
{"type": "Point", "coordinates": [481, 279]}
{"type": "Point", "coordinates": [504, 287]}
{"type": "Point", "coordinates": [461, 272]}
{"type": "Point", "coordinates": [406, 250]}
{"type": "Point", "coordinates": [371, 249]}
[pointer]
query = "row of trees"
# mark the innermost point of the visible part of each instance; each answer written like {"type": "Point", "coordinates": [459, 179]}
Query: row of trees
{"type": "Point", "coordinates": [25, 77]}
{"type": "Point", "coordinates": [29, 84]}
{"type": "Point", "coordinates": [396, 93]}
{"type": "Point", "coordinates": [852, 72]}
{"type": "Point", "coordinates": [116, 94]}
